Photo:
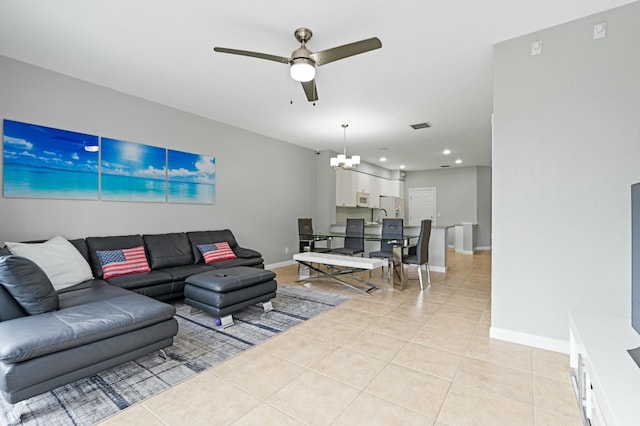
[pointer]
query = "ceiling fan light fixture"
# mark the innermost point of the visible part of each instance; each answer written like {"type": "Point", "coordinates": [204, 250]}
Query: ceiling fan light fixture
{"type": "Point", "coordinates": [302, 69]}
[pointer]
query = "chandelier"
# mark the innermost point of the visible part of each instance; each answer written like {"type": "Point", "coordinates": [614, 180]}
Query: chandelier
{"type": "Point", "coordinates": [341, 161]}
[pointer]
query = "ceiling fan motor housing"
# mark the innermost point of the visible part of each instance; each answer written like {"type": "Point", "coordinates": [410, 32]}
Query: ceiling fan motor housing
{"type": "Point", "coordinates": [303, 35]}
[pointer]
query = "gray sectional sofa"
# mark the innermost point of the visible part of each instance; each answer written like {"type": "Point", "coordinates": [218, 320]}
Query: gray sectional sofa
{"type": "Point", "coordinates": [50, 337]}
{"type": "Point", "coordinates": [172, 257]}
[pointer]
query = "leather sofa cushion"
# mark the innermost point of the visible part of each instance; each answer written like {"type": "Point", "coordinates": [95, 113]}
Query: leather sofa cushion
{"type": "Point", "coordinates": [9, 308]}
{"type": "Point", "coordinates": [257, 262]}
{"type": "Point", "coordinates": [109, 243]}
{"type": "Point", "coordinates": [87, 292]}
{"type": "Point", "coordinates": [78, 325]}
{"type": "Point", "coordinates": [210, 237]}
{"type": "Point", "coordinates": [81, 245]}
{"type": "Point", "coordinates": [180, 273]}
{"type": "Point", "coordinates": [144, 279]}
{"type": "Point", "coordinates": [167, 250]}
{"type": "Point", "coordinates": [27, 283]}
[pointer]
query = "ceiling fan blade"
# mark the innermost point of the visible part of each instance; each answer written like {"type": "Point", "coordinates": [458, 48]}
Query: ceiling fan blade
{"type": "Point", "coordinates": [344, 51]}
{"type": "Point", "coordinates": [310, 90]}
{"type": "Point", "coordinates": [252, 54]}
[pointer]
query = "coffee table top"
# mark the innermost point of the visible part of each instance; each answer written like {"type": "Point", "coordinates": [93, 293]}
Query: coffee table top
{"type": "Point", "coordinates": [340, 260]}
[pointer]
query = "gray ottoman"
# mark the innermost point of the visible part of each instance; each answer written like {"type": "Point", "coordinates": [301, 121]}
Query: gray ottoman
{"type": "Point", "coordinates": [224, 291]}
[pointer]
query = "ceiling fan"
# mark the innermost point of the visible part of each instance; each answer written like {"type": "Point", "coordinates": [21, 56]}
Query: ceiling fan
{"type": "Point", "coordinates": [303, 63]}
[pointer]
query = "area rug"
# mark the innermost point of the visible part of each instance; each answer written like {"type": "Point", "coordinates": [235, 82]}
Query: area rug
{"type": "Point", "coordinates": [199, 345]}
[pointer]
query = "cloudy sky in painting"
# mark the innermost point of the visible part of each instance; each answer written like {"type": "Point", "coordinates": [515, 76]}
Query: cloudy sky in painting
{"type": "Point", "coordinates": [39, 146]}
{"type": "Point", "coordinates": [132, 159]}
{"type": "Point", "coordinates": [188, 167]}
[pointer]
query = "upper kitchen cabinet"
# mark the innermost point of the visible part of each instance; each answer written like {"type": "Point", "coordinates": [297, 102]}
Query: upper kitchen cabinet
{"type": "Point", "coordinates": [370, 184]}
{"type": "Point", "coordinates": [392, 188]}
{"type": "Point", "coordinates": [346, 188]}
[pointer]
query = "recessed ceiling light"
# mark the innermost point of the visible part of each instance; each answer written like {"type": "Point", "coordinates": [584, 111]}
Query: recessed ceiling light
{"type": "Point", "coordinates": [402, 166]}
{"type": "Point", "coordinates": [382, 154]}
{"type": "Point", "coordinates": [446, 152]}
{"type": "Point", "coordinates": [458, 161]}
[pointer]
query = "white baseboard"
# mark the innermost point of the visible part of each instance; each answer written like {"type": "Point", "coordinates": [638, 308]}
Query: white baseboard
{"type": "Point", "coordinates": [438, 268]}
{"type": "Point", "coordinates": [464, 251]}
{"type": "Point", "coordinates": [452, 246]}
{"type": "Point", "coordinates": [546, 343]}
{"type": "Point", "coordinates": [280, 264]}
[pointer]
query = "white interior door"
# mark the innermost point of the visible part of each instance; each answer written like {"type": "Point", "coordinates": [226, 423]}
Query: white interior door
{"type": "Point", "coordinates": [422, 205]}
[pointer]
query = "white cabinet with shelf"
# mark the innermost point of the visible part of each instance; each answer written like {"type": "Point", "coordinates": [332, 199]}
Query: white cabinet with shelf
{"type": "Point", "coordinates": [370, 184]}
{"type": "Point", "coordinates": [606, 379]}
{"type": "Point", "coordinates": [346, 184]}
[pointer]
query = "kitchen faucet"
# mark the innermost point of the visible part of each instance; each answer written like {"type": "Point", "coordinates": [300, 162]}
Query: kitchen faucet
{"type": "Point", "coordinates": [380, 211]}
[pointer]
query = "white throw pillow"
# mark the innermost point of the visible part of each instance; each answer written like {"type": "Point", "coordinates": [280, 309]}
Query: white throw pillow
{"type": "Point", "coordinates": [58, 258]}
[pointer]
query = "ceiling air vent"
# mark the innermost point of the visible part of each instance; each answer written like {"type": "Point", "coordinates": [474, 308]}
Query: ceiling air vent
{"type": "Point", "coordinates": [424, 125]}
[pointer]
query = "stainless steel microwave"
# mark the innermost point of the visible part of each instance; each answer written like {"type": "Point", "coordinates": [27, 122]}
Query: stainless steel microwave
{"type": "Point", "coordinates": [362, 199]}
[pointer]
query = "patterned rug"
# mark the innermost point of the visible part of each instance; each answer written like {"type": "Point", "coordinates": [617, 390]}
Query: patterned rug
{"type": "Point", "coordinates": [198, 345]}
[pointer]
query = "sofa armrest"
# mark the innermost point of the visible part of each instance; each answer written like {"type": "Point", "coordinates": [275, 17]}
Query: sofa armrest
{"type": "Point", "coordinates": [37, 335]}
{"type": "Point", "coordinates": [245, 252]}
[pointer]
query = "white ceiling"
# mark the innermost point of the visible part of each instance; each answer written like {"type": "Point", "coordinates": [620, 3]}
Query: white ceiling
{"type": "Point", "coordinates": [435, 64]}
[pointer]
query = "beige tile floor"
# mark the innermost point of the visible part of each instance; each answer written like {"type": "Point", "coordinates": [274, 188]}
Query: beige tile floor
{"type": "Point", "coordinates": [392, 358]}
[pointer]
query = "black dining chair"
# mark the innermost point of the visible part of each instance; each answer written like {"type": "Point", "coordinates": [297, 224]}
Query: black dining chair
{"type": "Point", "coordinates": [419, 254]}
{"type": "Point", "coordinates": [392, 229]}
{"type": "Point", "coordinates": [354, 238]}
{"type": "Point", "coordinates": [306, 236]}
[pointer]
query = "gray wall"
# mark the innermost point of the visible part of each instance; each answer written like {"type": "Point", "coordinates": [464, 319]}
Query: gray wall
{"type": "Point", "coordinates": [566, 148]}
{"type": "Point", "coordinates": [263, 185]}
{"type": "Point", "coordinates": [463, 194]}
{"type": "Point", "coordinates": [484, 207]}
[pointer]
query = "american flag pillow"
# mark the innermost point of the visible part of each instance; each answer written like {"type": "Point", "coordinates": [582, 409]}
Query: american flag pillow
{"type": "Point", "coordinates": [122, 262]}
{"type": "Point", "coordinates": [217, 251]}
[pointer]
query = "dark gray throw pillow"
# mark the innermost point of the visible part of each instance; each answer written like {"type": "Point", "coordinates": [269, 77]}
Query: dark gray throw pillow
{"type": "Point", "coordinates": [28, 285]}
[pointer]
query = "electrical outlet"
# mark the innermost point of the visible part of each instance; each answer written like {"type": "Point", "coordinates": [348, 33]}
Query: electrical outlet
{"type": "Point", "coordinates": [286, 250]}
{"type": "Point", "coordinates": [536, 47]}
{"type": "Point", "coordinates": [600, 30]}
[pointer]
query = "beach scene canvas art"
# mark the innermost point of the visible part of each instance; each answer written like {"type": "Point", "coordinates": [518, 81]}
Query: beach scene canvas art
{"type": "Point", "coordinates": [132, 172]}
{"type": "Point", "coordinates": [44, 162]}
{"type": "Point", "coordinates": [191, 178]}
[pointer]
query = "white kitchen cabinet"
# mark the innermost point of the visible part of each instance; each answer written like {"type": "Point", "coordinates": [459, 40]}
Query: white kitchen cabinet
{"type": "Point", "coordinates": [397, 188]}
{"type": "Point", "coordinates": [385, 187]}
{"type": "Point", "coordinates": [391, 188]}
{"type": "Point", "coordinates": [346, 187]}
{"type": "Point", "coordinates": [374, 201]}
{"type": "Point", "coordinates": [363, 182]}
{"type": "Point", "coordinates": [370, 184]}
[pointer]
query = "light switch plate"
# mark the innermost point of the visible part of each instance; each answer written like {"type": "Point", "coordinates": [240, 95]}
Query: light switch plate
{"type": "Point", "coordinates": [536, 47]}
{"type": "Point", "coordinates": [600, 30]}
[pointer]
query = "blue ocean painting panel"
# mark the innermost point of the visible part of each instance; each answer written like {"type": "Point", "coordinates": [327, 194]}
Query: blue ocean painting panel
{"type": "Point", "coordinates": [191, 178]}
{"type": "Point", "coordinates": [43, 162]}
{"type": "Point", "coordinates": [132, 172]}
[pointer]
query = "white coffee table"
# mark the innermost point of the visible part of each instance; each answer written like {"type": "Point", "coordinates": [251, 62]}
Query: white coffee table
{"type": "Point", "coordinates": [339, 265]}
